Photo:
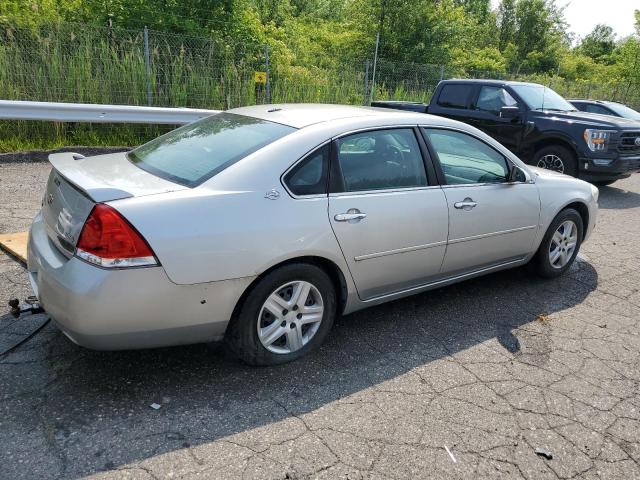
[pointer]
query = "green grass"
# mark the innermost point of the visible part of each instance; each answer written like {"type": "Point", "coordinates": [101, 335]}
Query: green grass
{"type": "Point", "coordinates": [67, 63]}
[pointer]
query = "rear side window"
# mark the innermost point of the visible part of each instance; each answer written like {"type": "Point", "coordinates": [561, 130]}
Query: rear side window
{"type": "Point", "coordinates": [454, 96]}
{"type": "Point", "coordinates": [381, 159]}
{"type": "Point", "coordinates": [309, 176]}
{"type": "Point", "coordinates": [196, 152]}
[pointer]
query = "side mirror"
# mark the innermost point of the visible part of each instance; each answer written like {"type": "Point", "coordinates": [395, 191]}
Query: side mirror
{"type": "Point", "coordinates": [516, 175]}
{"type": "Point", "coordinates": [509, 112]}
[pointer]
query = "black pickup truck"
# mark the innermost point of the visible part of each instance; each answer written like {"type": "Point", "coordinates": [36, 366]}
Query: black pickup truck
{"type": "Point", "coordinates": [539, 126]}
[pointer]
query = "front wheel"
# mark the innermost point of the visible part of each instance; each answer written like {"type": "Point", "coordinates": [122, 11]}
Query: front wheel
{"type": "Point", "coordinates": [557, 158]}
{"type": "Point", "coordinates": [286, 314]}
{"type": "Point", "coordinates": [560, 244]}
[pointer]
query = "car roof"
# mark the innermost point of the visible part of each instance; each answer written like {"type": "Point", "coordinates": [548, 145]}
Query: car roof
{"type": "Point", "coordinates": [300, 115]}
{"type": "Point", "coordinates": [584, 100]}
{"type": "Point", "coordinates": [601, 102]}
{"type": "Point", "coordinates": [491, 82]}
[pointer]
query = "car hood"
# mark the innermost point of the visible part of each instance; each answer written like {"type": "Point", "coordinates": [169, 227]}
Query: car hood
{"type": "Point", "coordinates": [593, 120]}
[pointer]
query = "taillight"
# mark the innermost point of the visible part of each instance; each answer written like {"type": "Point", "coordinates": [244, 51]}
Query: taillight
{"type": "Point", "coordinates": [108, 240]}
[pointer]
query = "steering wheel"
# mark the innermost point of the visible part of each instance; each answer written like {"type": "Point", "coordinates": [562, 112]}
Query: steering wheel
{"type": "Point", "coordinates": [396, 152]}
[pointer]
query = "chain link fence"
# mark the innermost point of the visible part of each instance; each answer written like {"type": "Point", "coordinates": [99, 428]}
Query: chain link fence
{"type": "Point", "coordinates": [89, 64]}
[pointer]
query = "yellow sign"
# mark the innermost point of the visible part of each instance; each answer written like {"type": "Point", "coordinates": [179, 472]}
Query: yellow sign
{"type": "Point", "coordinates": [260, 77]}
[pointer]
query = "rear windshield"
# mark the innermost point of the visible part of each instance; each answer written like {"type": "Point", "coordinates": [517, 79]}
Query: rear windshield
{"type": "Point", "coordinates": [193, 153]}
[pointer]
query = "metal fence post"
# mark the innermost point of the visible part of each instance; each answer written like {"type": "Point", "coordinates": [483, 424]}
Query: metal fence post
{"type": "Point", "coordinates": [441, 72]}
{"type": "Point", "coordinates": [147, 63]}
{"type": "Point", "coordinates": [366, 82]}
{"type": "Point", "coordinates": [375, 64]}
{"type": "Point", "coordinates": [268, 82]}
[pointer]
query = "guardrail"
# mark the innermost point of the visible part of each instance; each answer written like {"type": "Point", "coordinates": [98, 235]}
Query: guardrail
{"type": "Point", "coordinates": [85, 112]}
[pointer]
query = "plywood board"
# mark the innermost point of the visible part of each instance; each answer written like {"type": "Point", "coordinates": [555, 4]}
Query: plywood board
{"type": "Point", "coordinates": [15, 244]}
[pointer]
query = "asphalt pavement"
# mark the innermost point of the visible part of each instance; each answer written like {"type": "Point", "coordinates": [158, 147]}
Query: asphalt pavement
{"type": "Point", "coordinates": [462, 382]}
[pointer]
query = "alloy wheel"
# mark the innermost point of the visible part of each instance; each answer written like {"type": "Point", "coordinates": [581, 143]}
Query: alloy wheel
{"type": "Point", "coordinates": [551, 162]}
{"type": "Point", "coordinates": [290, 317]}
{"type": "Point", "coordinates": [563, 244]}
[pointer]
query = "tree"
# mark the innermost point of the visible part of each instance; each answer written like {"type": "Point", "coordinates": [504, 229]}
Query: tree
{"type": "Point", "coordinates": [479, 9]}
{"type": "Point", "coordinates": [599, 44]}
{"type": "Point", "coordinates": [506, 23]}
{"type": "Point", "coordinates": [539, 34]}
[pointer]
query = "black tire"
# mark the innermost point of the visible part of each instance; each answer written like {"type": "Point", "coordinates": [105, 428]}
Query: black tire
{"type": "Point", "coordinates": [242, 334]}
{"type": "Point", "coordinates": [604, 183]}
{"type": "Point", "coordinates": [541, 260]}
{"type": "Point", "coordinates": [566, 156]}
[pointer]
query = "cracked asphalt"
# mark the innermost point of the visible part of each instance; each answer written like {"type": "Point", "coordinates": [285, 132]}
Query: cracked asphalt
{"type": "Point", "coordinates": [491, 369]}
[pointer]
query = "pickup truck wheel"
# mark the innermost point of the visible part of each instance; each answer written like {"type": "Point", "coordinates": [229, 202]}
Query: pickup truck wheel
{"type": "Point", "coordinates": [558, 159]}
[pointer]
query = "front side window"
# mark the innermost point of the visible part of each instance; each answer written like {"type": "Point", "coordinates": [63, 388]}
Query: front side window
{"type": "Point", "coordinates": [492, 99]}
{"type": "Point", "coordinates": [467, 160]}
{"type": "Point", "coordinates": [195, 152]}
{"type": "Point", "coordinates": [381, 159]}
{"type": "Point", "coordinates": [309, 176]}
{"type": "Point", "coordinates": [597, 109]}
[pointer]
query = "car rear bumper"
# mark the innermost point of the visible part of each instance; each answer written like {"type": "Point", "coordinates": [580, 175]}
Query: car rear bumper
{"type": "Point", "coordinates": [127, 308]}
{"type": "Point", "coordinates": [620, 168]}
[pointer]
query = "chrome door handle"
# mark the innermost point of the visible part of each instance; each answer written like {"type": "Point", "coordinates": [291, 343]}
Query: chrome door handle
{"type": "Point", "coordinates": [350, 216]}
{"type": "Point", "coordinates": [466, 204]}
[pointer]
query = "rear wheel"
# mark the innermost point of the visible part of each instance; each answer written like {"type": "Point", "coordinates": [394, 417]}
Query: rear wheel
{"type": "Point", "coordinates": [287, 314]}
{"type": "Point", "coordinates": [560, 244]}
{"type": "Point", "coordinates": [558, 159]}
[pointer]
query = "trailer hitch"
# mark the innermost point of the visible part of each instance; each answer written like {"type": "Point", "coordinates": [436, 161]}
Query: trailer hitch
{"type": "Point", "coordinates": [31, 305]}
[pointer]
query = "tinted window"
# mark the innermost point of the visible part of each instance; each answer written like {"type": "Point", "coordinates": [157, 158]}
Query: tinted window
{"type": "Point", "coordinates": [381, 159]}
{"type": "Point", "coordinates": [309, 177]}
{"type": "Point", "coordinates": [195, 152]}
{"type": "Point", "coordinates": [454, 96]}
{"type": "Point", "coordinates": [597, 109]}
{"type": "Point", "coordinates": [492, 99]}
{"type": "Point", "coordinates": [465, 159]}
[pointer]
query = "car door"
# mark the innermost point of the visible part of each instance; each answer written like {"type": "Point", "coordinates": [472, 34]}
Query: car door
{"type": "Point", "coordinates": [485, 114]}
{"type": "Point", "coordinates": [492, 220]}
{"type": "Point", "coordinates": [390, 223]}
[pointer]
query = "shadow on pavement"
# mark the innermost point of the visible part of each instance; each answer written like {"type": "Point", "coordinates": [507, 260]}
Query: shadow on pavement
{"type": "Point", "coordinates": [613, 198]}
{"type": "Point", "coordinates": [95, 406]}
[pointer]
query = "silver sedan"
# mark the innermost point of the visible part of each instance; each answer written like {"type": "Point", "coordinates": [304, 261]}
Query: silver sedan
{"type": "Point", "coordinates": [259, 225]}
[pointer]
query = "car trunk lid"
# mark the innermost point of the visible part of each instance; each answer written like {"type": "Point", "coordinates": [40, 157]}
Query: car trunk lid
{"type": "Point", "coordinates": [76, 184]}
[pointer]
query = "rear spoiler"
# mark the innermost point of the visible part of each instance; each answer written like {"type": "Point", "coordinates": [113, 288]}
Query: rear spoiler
{"type": "Point", "coordinates": [68, 165]}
